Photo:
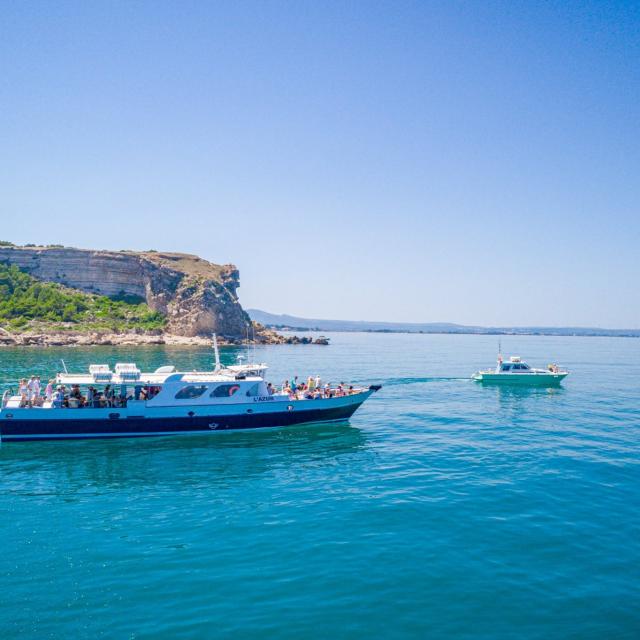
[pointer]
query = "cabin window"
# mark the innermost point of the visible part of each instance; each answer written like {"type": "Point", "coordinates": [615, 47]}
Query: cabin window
{"type": "Point", "coordinates": [254, 390]}
{"type": "Point", "coordinates": [517, 367]}
{"type": "Point", "coordinates": [506, 367]}
{"type": "Point", "coordinates": [191, 392]}
{"type": "Point", "coordinates": [224, 391]}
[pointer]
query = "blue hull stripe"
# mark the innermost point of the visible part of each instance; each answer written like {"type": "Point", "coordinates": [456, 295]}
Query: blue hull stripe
{"type": "Point", "coordinates": [15, 429]}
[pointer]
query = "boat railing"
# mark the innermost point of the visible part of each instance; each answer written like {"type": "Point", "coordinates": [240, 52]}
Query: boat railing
{"type": "Point", "coordinates": [321, 393]}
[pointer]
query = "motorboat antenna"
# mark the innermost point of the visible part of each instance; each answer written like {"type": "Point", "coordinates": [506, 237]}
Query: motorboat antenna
{"type": "Point", "coordinates": [253, 341]}
{"type": "Point", "coordinates": [499, 352]}
{"type": "Point", "coordinates": [216, 354]}
{"type": "Point", "coordinates": [64, 366]}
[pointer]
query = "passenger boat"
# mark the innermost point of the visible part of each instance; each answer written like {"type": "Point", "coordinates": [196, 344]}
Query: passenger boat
{"type": "Point", "coordinates": [170, 402]}
{"type": "Point", "coordinates": [515, 371]}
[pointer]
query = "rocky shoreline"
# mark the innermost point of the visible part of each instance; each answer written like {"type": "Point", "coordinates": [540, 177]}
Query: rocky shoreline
{"type": "Point", "coordinates": [195, 296]}
{"type": "Point", "coordinates": [92, 339]}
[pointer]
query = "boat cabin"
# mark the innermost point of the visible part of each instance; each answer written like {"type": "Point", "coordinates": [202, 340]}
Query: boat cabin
{"type": "Point", "coordinates": [515, 365]}
{"type": "Point", "coordinates": [101, 387]}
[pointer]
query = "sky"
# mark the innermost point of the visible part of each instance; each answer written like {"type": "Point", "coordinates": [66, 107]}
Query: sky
{"type": "Point", "coordinates": [470, 162]}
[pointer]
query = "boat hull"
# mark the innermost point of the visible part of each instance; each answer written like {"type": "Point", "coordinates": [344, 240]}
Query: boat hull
{"type": "Point", "coordinates": [65, 424]}
{"type": "Point", "coordinates": [519, 379]}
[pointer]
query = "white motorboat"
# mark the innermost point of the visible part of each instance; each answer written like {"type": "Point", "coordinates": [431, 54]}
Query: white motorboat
{"type": "Point", "coordinates": [515, 371]}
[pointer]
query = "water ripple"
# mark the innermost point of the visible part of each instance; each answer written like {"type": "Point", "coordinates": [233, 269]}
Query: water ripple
{"type": "Point", "coordinates": [443, 510]}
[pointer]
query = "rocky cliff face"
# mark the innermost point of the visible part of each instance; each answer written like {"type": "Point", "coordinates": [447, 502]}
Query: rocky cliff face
{"type": "Point", "coordinates": [197, 297]}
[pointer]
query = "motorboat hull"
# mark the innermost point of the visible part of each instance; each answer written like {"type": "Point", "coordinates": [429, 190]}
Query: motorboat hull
{"type": "Point", "coordinates": [521, 379]}
{"type": "Point", "coordinates": [64, 424]}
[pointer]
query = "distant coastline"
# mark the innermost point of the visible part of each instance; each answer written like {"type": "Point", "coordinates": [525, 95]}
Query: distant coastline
{"type": "Point", "coordinates": [284, 322]}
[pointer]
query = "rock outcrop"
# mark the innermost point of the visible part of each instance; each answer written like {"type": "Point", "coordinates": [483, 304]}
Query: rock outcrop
{"type": "Point", "coordinates": [196, 296]}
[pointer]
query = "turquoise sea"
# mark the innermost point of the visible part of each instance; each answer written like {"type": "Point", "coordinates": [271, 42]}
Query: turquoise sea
{"type": "Point", "coordinates": [442, 510]}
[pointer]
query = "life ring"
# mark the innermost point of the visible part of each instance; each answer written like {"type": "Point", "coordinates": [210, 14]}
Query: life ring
{"type": "Point", "coordinates": [233, 389]}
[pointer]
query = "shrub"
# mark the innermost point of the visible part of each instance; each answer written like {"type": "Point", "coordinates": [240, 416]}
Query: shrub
{"type": "Point", "coordinates": [23, 298]}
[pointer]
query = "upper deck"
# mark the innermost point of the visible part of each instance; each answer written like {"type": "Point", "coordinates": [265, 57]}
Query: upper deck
{"type": "Point", "coordinates": [129, 374]}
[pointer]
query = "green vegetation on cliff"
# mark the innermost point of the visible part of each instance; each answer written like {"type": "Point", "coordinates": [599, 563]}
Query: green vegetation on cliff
{"type": "Point", "coordinates": [26, 302]}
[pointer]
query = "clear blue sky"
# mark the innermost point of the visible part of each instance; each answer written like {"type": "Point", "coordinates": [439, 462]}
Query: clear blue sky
{"type": "Point", "coordinates": [473, 162]}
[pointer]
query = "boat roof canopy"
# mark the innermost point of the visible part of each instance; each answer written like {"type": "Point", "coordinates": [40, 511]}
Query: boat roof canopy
{"type": "Point", "coordinates": [128, 373]}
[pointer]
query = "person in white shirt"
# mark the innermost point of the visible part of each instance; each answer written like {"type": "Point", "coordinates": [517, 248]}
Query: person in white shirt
{"type": "Point", "coordinates": [48, 392]}
{"type": "Point", "coordinates": [36, 387]}
{"type": "Point", "coordinates": [30, 389]}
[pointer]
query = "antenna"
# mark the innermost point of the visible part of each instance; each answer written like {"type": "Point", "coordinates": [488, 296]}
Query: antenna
{"type": "Point", "coordinates": [253, 335]}
{"type": "Point", "coordinates": [217, 354]}
{"type": "Point", "coordinates": [64, 366]}
{"type": "Point", "coordinates": [499, 351]}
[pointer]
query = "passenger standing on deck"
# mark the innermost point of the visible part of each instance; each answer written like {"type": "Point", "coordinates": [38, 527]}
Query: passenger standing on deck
{"type": "Point", "coordinates": [23, 391]}
{"type": "Point", "coordinates": [36, 388]}
{"type": "Point", "coordinates": [48, 391]}
{"type": "Point", "coordinates": [318, 381]}
{"type": "Point", "coordinates": [311, 383]}
{"type": "Point", "coordinates": [31, 389]}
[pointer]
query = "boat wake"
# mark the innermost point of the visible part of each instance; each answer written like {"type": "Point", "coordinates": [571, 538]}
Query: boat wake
{"type": "Point", "coordinates": [392, 382]}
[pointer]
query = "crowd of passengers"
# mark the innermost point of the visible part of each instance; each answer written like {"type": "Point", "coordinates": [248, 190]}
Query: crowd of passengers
{"type": "Point", "coordinates": [31, 395]}
{"type": "Point", "coordinates": [312, 389]}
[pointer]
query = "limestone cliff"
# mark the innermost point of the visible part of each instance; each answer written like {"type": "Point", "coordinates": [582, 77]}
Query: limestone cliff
{"type": "Point", "coordinates": [197, 297]}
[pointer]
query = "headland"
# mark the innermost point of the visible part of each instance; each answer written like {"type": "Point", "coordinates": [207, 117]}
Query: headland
{"type": "Point", "coordinates": [55, 295]}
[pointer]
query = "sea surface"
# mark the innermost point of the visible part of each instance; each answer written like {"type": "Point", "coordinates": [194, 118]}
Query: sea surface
{"type": "Point", "coordinates": [444, 509]}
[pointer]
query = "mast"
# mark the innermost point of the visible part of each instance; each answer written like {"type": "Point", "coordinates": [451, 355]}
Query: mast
{"type": "Point", "coordinates": [217, 355]}
{"type": "Point", "coordinates": [253, 342]}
